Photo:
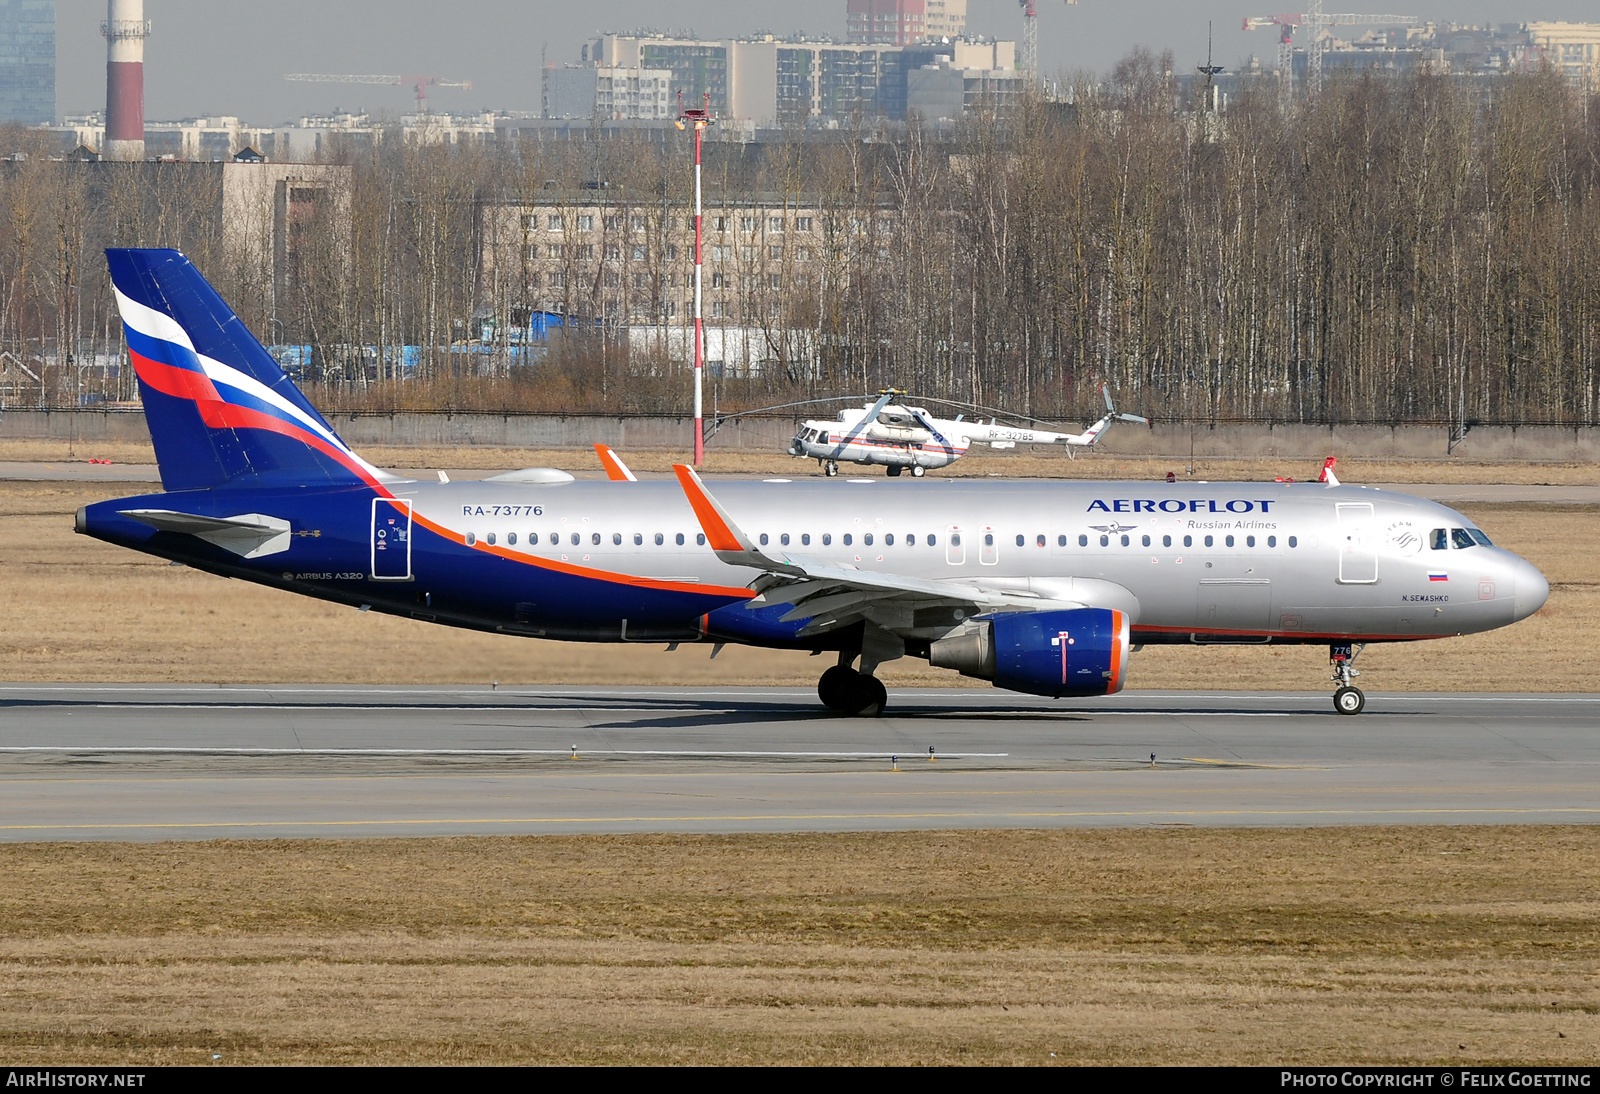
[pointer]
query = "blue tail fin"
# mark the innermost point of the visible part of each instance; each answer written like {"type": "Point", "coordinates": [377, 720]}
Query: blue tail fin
{"type": "Point", "coordinates": [219, 408]}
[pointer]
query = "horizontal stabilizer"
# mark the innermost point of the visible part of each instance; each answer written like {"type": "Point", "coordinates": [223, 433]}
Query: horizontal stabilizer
{"type": "Point", "coordinates": [249, 535]}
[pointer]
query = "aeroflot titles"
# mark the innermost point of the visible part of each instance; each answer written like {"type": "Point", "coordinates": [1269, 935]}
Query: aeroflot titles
{"type": "Point", "coordinates": [1173, 505]}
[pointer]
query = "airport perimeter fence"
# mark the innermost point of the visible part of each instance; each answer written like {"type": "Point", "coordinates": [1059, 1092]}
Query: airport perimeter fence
{"type": "Point", "coordinates": [753, 434]}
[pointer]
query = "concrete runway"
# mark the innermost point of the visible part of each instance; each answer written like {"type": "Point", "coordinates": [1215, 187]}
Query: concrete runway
{"type": "Point", "coordinates": [198, 762]}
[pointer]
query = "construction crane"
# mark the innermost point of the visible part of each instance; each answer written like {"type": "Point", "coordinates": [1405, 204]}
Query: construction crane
{"type": "Point", "coordinates": [1316, 23]}
{"type": "Point", "coordinates": [1030, 37]}
{"type": "Point", "coordinates": [419, 84]}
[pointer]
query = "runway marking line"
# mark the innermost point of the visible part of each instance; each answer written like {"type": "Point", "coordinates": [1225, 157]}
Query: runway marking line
{"type": "Point", "coordinates": [797, 817]}
{"type": "Point", "coordinates": [598, 751]}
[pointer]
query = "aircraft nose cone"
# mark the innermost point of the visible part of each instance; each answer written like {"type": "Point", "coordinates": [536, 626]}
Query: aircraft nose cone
{"type": "Point", "coordinates": [1532, 589]}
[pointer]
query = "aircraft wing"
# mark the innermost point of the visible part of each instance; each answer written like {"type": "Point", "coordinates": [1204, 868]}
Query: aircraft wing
{"type": "Point", "coordinates": [250, 535]}
{"type": "Point", "coordinates": [834, 596]}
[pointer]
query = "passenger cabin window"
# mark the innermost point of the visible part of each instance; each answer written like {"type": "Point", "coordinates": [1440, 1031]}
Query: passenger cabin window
{"type": "Point", "coordinates": [1294, 541]}
{"type": "Point", "coordinates": [955, 539]}
{"type": "Point", "coordinates": [533, 539]}
{"type": "Point", "coordinates": [660, 539]}
{"type": "Point", "coordinates": [638, 539]}
{"type": "Point", "coordinates": [805, 539]}
{"type": "Point", "coordinates": [1272, 541]}
{"type": "Point", "coordinates": [1105, 541]}
{"type": "Point", "coordinates": [1249, 541]}
{"type": "Point", "coordinates": [1021, 540]}
{"type": "Point", "coordinates": [848, 539]}
{"type": "Point", "coordinates": [471, 539]}
{"type": "Point", "coordinates": [616, 539]}
{"type": "Point", "coordinates": [763, 539]}
{"type": "Point", "coordinates": [680, 539]}
{"type": "Point", "coordinates": [594, 538]}
{"type": "Point", "coordinates": [1145, 541]}
{"type": "Point", "coordinates": [1038, 541]}
{"type": "Point", "coordinates": [1061, 541]}
{"type": "Point", "coordinates": [867, 539]}
{"type": "Point", "coordinates": [700, 538]}
{"type": "Point", "coordinates": [1124, 541]}
{"type": "Point", "coordinates": [491, 539]}
{"type": "Point", "coordinates": [1229, 541]}
{"type": "Point", "coordinates": [511, 538]}
{"type": "Point", "coordinates": [1188, 541]}
{"type": "Point", "coordinates": [827, 539]}
{"type": "Point", "coordinates": [889, 540]}
{"type": "Point", "coordinates": [1083, 541]}
{"type": "Point", "coordinates": [1209, 541]}
{"type": "Point", "coordinates": [1166, 541]}
{"type": "Point", "coordinates": [576, 539]}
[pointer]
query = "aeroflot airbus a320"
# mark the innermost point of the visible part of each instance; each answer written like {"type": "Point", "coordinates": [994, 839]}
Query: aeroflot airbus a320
{"type": "Point", "coordinates": [1041, 587]}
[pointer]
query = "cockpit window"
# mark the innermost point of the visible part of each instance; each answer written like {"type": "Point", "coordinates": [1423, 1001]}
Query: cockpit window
{"type": "Point", "coordinates": [1479, 538]}
{"type": "Point", "coordinates": [1460, 537]}
{"type": "Point", "coordinates": [1439, 539]}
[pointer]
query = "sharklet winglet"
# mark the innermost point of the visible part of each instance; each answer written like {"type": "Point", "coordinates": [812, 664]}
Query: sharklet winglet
{"type": "Point", "coordinates": [615, 469]}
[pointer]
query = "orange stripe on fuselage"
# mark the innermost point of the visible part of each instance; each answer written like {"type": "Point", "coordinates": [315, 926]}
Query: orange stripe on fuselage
{"type": "Point", "coordinates": [588, 572]}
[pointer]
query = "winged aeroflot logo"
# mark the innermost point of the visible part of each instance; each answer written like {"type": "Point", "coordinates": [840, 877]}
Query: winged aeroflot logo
{"type": "Point", "coordinates": [1113, 529]}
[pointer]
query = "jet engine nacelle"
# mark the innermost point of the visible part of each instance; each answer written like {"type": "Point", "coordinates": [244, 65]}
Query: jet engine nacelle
{"type": "Point", "coordinates": [1079, 651]}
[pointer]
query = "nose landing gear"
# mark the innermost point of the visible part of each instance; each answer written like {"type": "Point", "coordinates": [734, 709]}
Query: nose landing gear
{"type": "Point", "coordinates": [1347, 698]}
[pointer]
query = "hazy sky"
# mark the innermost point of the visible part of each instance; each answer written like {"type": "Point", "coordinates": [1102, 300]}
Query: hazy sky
{"type": "Point", "coordinates": [229, 56]}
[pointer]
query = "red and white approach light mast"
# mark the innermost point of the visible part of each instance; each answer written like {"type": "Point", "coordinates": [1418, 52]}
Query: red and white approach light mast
{"type": "Point", "coordinates": [699, 119]}
{"type": "Point", "coordinates": [125, 30]}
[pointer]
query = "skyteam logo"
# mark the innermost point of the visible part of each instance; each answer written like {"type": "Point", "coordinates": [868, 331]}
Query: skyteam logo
{"type": "Point", "coordinates": [1175, 505]}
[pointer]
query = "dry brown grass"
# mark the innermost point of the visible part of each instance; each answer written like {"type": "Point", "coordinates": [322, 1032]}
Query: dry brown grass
{"type": "Point", "coordinates": [75, 609]}
{"type": "Point", "coordinates": [1037, 463]}
{"type": "Point", "coordinates": [1380, 945]}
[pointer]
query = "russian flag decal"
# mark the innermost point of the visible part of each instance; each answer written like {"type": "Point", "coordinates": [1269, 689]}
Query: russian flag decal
{"type": "Point", "coordinates": [1438, 575]}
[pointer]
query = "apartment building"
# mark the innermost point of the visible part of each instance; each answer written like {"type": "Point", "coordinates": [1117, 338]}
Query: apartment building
{"type": "Point", "coordinates": [620, 264]}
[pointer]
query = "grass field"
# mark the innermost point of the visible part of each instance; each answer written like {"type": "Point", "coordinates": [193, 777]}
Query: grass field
{"type": "Point", "coordinates": [1039, 462]}
{"type": "Point", "coordinates": [75, 609]}
{"type": "Point", "coordinates": [1385, 945]}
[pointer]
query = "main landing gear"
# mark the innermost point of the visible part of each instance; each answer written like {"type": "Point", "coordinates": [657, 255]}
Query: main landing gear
{"type": "Point", "coordinates": [830, 468]}
{"type": "Point", "coordinates": [850, 692]}
{"type": "Point", "coordinates": [1347, 699]}
{"type": "Point", "coordinates": [894, 469]}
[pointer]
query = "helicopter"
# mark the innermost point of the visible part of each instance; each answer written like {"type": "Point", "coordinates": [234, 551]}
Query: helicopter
{"type": "Point", "coordinates": [897, 436]}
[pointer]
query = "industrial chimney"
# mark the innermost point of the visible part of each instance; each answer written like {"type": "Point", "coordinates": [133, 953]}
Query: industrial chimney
{"type": "Point", "coordinates": [125, 30]}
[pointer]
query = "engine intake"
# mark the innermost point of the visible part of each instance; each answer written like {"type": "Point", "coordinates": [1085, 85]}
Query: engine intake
{"type": "Point", "coordinates": [1080, 651]}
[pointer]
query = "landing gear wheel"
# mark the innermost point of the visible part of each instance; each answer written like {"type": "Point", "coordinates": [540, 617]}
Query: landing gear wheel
{"type": "Point", "coordinates": [849, 692]}
{"type": "Point", "coordinates": [919, 471]}
{"type": "Point", "coordinates": [1349, 700]}
{"type": "Point", "coordinates": [894, 470]}
{"type": "Point", "coordinates": [836, 686]}
{"type": "Point", "coordinates": [869, 697]}
{"type": "Point", "coordinates": [830, 468]}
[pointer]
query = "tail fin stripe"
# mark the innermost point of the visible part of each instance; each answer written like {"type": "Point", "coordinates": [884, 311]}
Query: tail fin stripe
{"type": "Point", "coordinates": [151, 323]}
{"type": "Point", "coordinates": [160, 344]}
{"type": "Point", "coordinates": [180, 383]}
{"type": "Point", "coordinates": [221, 415]}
